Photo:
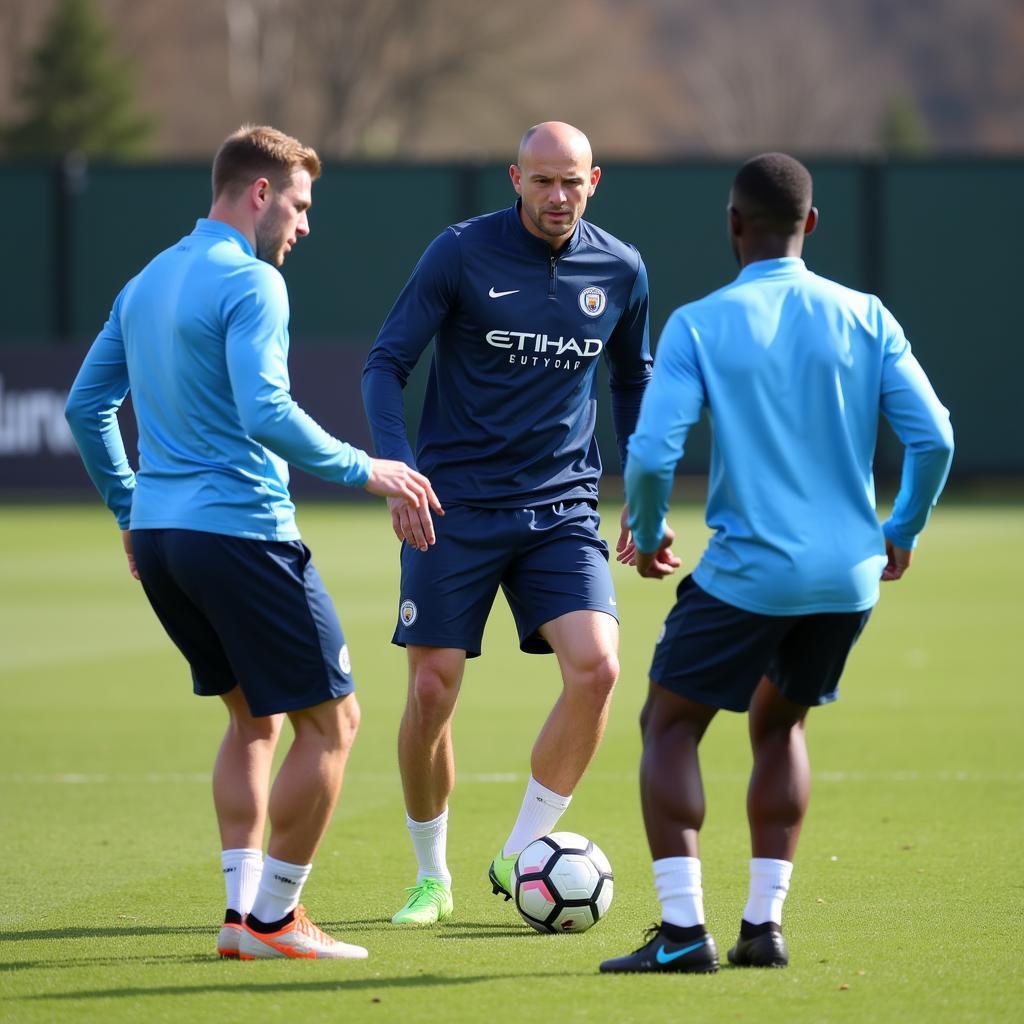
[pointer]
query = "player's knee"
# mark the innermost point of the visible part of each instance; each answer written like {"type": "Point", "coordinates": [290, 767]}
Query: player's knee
{"type": "Point", "coordinates": [349, 717]}
{"type": "Point", "coordinates": [431, 696]}
{"type": "Point", "coordinates": [265, 729]}
{"type": "Point", "coordinates": [331, 725]}
{"type": "Point", "coordinates": [595, 678]}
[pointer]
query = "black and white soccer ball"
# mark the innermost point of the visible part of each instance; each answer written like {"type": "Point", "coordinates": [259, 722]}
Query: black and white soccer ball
{"type": "Point", "coordinates": [562, 883]}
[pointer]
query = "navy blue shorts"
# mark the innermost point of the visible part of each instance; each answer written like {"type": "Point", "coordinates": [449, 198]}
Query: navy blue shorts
{"type": "Point", "coordinates": [714, 653]}
{"type": "Point", "coordinates": [247, 612]}
{"type": "Point", "coordinates": [549, 560]}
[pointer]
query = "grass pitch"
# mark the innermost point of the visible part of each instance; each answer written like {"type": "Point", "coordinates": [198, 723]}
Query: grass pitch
{"type": "Point", "coordinates": [906, 900]}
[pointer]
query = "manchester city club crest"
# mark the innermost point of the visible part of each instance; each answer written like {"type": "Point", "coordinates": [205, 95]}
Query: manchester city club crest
{"type": "Point", "coordinates": [344, 661]}
{"type": "Point", "coordinates": [407, 612]}
{"type": "Point", "coordinates": [593, 300]}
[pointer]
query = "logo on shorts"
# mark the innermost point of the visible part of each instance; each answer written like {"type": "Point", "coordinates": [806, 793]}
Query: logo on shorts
{"type": "Point", "coordinates": [408, 612]}
{"type": "Point", "coordinates": [593, 300]}
{"type": "Point", "coordinates": [661, 635]}
{"type": "Point", "coordinates": [344, 661]}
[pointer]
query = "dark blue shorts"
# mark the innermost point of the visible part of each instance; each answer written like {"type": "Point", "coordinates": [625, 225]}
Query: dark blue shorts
{"type": "Point", "coordinates": [714, 653]}
{"type": "Point", "coordinates": [549, 560]}
{"type": "Point", "coordinates": [247, 612]}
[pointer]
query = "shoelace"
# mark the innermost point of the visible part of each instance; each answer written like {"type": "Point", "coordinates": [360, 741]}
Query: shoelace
{"type": "Point", "coordinates": [426, 894]}
{"type": "Point", "coordinates": [304, 925]}
{"type": "Point", "coordinates": [649, 936]}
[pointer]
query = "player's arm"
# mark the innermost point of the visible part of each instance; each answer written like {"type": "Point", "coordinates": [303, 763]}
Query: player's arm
{"type": "Point", "coordinates": [628, 355]}
{"type": "Point", "coordinates": [415, 318]}
{"type": "Point", "coordinates": [921, 422]}
{"type": "Point", "coordinates": [96, 395]}
{"type": "Point", "coordinates": [256, 350]}
{"type": "Point", "coordinates": [671, 405]}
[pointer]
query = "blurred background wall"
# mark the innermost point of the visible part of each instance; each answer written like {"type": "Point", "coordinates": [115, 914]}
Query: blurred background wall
{"type": "Point", "coordinates": [910, 116]}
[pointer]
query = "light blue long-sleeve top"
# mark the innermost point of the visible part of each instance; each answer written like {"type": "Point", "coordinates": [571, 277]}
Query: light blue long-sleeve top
{"type": "Point", "coordinates": [200, 337]}
{"type": "Point", "coordinates": [794, 370]}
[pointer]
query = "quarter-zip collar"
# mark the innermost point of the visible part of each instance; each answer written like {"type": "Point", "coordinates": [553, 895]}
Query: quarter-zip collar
{"type": "Point", "coordinates": [541, 247]}
{"type": "Point", "coordinates": [221, 229]}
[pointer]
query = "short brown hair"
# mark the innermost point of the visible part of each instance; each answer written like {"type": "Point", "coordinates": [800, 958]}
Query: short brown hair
{"type": "Point", "coordinates": [259, 151]}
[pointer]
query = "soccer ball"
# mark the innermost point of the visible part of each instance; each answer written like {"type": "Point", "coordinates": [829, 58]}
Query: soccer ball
{"type": "Point", "coordinates": [562, 883]}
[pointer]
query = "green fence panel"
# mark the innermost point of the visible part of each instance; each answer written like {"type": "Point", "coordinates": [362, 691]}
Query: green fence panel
{"type": "Point", "coordinates": [26, 257]}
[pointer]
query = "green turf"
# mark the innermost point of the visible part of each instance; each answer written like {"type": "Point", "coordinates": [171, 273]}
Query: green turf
{"type": "Point", "coordinates": [907, 896]}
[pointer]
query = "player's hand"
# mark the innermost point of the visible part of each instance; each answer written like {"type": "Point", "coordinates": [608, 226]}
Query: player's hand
{"type": "Point", "coordinates": [656, 565]}
{"type": "Point", "coordinates": [898, 563]}
{"type": "Point", "coordinates": [126, 540]}
{"type": "Point", "coordinates": [625, 548]}
{"type": "Point", "coordinates": [410, 499]}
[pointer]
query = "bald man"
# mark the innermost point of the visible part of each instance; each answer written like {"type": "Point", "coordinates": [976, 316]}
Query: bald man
{"type": "Point", "coordinates": [520, 305]}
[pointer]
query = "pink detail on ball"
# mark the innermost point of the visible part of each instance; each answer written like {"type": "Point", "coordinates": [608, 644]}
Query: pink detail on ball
{"type": "Point", "coordinates": [538, 884]}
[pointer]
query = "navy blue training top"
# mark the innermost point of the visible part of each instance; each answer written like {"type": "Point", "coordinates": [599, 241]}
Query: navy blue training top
{"type": "Point", "coordinates": [511, 403]}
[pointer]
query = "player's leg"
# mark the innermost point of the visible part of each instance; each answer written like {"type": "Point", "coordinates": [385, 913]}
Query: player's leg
{"type": "Point", "coordinates": [777, 800]}
{"type": "Point", "coordinates": [426, 762]}
{"type": "Point", "coordinates": [446, 595]}
{"type": "Point", "coordinates": [299, 667]}
{"type": "Point", "coordinates": [241, 808]}
{"type": "Point", "coordinates": [780, 780]}
{"type": "Point", "coordinates": [709, 656]}
{"type": "Point", "coordinates": [586, 644]}
{"type": "Point", "coordinates": [241, 789]}
{"type": "Point", "coordinates": [560, 591]}
{"type": "Point", "coordinates": [302, 801]}
{"type": "Point", "coordinates": [804, 672]}
{"type": "Point", "coordinates": [671, 788]}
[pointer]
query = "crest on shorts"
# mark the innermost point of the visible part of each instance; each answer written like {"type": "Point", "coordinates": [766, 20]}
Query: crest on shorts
{"type": "Point", "coordinates": [408, 612]}
{"type": "Point", "coordinates": [593, 300]}
{"type": "Point", "coordinates": [661, 635]}
{"type": "Point", "coordinates": [344, 661]}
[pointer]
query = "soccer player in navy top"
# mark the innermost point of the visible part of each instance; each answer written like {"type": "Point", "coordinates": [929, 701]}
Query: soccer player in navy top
{"type": "Point", "coordinates": [200, 337]}
{"type": "Point", "coordinates": [523, 303]}
{"type": "Point", "coordinates": [794, 370]}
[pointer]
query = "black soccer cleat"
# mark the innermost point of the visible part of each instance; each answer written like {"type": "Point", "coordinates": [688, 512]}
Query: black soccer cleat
{"type": "Point", "coordinates": [759, 945]}
{"type": "Point", "coordinates": [690, 951]}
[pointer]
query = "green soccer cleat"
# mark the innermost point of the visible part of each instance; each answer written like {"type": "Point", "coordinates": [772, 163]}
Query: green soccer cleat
{"type": "Point", "coordinates": [500, 874]}
{"type": "Point", "coordinates": [429, 902]}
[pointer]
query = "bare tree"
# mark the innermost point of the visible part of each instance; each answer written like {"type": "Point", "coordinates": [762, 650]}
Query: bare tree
{"type": "Point", "coordinates": [797, 75]}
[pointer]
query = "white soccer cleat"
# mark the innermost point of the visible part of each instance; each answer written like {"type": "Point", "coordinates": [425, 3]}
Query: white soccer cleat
{"type": "Point", "coordinates": [227, 940]}
{"type": "Point", "coordinates": [300, 939]}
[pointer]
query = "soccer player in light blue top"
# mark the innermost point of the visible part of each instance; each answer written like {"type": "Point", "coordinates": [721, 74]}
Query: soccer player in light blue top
{"type": "Point", "coordinates": [794, 370]}
{"type": "Point", "coordinates": [200, 338]}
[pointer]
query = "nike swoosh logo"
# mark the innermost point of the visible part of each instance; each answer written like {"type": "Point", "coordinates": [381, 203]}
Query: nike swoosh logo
{"type": "Point", "coordinates": [497, 295]}
{"type": "Point", "coordinates": [667, 958]}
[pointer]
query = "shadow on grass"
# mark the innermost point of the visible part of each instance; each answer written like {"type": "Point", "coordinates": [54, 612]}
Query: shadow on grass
{"type": "Point", "coordinates": [293, 985]}
{"type": "Point", "coordinates": [485, 931]}
{"type": "Point", "coordinates": [101, 932]}
{"type": "Point", "coordinates": [106, 961]}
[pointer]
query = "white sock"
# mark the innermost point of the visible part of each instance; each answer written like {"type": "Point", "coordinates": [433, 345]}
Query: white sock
{"type": "Point", "coordinates": [677, 881]}
{"type": "Point", "coordinates": [542, 807]}
{"type": "Point", "coordinates": [242, 870]}
{"type": "Point", "coordinates": [430, 842]}
{"type": "Point", "coordinates": [769, 883]}
{"type": "Point", "coordinates": [280, 887]}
